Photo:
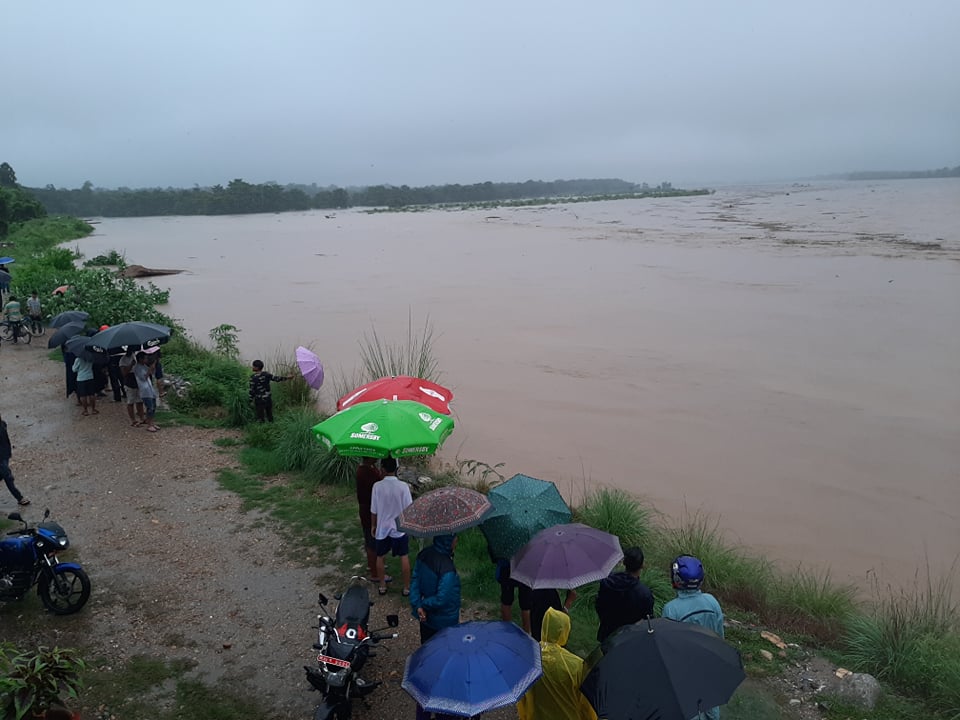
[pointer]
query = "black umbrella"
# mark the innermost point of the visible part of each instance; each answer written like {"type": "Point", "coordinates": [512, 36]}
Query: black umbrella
{"type": "Point", "coordinates": [663, 669]}
{"type": "Point", "coordinates": [67, 316]}
{"type": "Point", "coordinates": [118, 338]}
{"type": "Point", "coordinates": [77, 345]}
{"type": "Point", "coordinates": [65, 332]}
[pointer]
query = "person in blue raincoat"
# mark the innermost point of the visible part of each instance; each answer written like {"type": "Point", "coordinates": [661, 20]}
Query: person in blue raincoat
{"type": "Point", "coordinates": [692, 605]}
{"type": "Point", "coordinates": [435, 588]}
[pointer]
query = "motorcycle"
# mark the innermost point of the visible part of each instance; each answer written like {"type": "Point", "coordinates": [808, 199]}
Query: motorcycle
{"type": "Point", "coordinates": [28, 557]}
{"type": "Point", "coordinates": [343, 646]}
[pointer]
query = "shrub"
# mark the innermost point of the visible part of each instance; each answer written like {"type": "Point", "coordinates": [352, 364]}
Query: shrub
{"type": "Point", "coordinates": [619, 513]}
{"type": "Point", "coordinates": [912, 639]}
{"type": "Point", "coordinates": [31, 681]}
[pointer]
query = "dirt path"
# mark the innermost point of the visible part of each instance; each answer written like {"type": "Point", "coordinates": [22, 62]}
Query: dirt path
{"type": "Point", "coordinates": [177, 570]}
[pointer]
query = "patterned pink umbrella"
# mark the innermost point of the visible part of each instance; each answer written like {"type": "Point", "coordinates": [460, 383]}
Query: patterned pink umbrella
{"type": "Point", "coordinates": [444, 511]}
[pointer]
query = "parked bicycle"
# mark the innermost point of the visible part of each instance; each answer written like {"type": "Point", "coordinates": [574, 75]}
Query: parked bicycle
{"type": "Point", "coordinates": [15, 330]}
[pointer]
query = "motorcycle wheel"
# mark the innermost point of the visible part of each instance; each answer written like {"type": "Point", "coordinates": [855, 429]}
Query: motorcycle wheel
{"type": "Point", "coordinates": [65, 591]}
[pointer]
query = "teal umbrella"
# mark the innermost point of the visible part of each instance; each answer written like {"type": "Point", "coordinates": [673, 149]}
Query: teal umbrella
{"type": "Point", "coordinates": [522, 507]}
{"type": "Point", "coordinates": [395, 428]}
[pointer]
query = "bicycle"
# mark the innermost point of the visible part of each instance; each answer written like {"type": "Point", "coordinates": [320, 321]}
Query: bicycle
{"type": "Point", "coordinates": [34, 326]}
{"type": "Point", "coordinates": [15, 330]}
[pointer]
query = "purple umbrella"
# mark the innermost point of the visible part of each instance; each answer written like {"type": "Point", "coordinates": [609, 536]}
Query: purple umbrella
{"type": "Point", "coordinates": [566, 556]}
{"type": "Point", "coordinates": [310, 367]}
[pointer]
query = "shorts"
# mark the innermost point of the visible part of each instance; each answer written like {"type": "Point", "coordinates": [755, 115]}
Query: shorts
{"type": "Point", "coordinates": [399, 546]}
{"type": "Point", "coordinates": [524, 594]}
{"type": "Point", "coordinates": [86, 388]}
{"type": "Point", "coordinates": [150, 405]}
{"type": "Point", "coordinates": [133, 395]}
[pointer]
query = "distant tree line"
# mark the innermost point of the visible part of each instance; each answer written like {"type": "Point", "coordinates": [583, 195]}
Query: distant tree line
{"type": "Point", "coordinates": [943, 172]}
{"type": "Point", "coordinates": [240, 196]}
{"type": "Point", "coordinates": [16, 204]}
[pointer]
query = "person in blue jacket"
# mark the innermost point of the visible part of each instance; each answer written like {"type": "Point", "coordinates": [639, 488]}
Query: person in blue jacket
{"type": "Point", "coordinates": [692, 605]}
{"type": "Point", "coordinates": [435, 588]}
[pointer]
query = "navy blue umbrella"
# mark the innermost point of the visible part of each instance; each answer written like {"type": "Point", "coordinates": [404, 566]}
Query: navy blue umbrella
{"type": "Point", "coordinates": [77, 346]}
{"type": "Point", "coordinates": [68, 316]}
{"type": "Point", "coordinates": [663, 669]}
{"type": "Point", "coordinates": [117, 338]}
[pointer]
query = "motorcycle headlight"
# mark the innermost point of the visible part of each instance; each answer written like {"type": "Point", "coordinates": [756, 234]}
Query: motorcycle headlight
{"type": "Point", "coordinates": [63, 542]}
{"type": "Point", "coordinates": [337, 679]}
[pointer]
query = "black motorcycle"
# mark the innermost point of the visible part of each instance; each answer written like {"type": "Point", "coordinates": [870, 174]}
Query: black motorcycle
{"type": "Point", "coordinates": [28, 557]}
{"type": "Point", "coordinates": [343, 646]}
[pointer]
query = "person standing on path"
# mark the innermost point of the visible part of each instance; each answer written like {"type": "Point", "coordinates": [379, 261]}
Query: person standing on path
{"type": "Point", "coordinates": [6, 452]}
{"type": "Point", "coordinates": [692, 605]}
{"type": "Point", "coordinates": [435, 588]}
{"type": "Point", "coordinates": [622, 599]}
{"type": "Point", "coordinates": [260, 391]}
{"type": "Point", "coordinates": [86, 386]}
{"type": "Point", "coordinates": [126, 365]}
{"type": "Point", "coordinates": [389, 498]}
{"type": "Point", "coordinates": [148, 396]}
{"type": "Point", "coordinates": [35, 311]}
{"type": "Point", "coordinates": [556, 694]}
{"type": "Point", "coordinates": [367, 477]}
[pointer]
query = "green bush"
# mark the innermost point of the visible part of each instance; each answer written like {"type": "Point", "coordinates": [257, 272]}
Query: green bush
{"type": "Point", "coordinates": [618, 513]}
{"type": "Point", "coordinates": [911, 639]}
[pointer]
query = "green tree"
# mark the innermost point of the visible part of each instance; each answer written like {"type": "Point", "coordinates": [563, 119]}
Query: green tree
{"type": "Point", "coordinates": [8, 178]}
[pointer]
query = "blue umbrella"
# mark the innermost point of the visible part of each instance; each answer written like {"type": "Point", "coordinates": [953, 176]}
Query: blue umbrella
{"type": "Point", "coordinates": [471, 668]}
{"type": "Point", "coordinates": [522, 507]}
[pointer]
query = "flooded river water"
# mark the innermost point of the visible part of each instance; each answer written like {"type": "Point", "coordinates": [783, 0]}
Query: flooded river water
{"type": "Point", "coordinates": [784, 358]}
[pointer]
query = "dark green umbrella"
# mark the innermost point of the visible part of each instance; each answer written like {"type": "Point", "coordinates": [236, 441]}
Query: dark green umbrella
{"type": "Point", "coordinates": [522, 507]}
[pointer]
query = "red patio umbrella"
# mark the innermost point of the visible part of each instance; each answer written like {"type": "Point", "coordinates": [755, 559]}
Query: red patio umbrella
{"type": "Point", "coordinates": [400, 387]}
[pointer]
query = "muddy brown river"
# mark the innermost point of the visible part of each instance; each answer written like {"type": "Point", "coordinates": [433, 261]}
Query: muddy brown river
{"type": "Point", "coordinates": [786, 358]}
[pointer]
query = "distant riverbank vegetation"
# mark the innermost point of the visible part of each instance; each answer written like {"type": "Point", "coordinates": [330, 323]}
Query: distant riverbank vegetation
{"type": "Point", "coordinates": [944, 172]}
{"type": "Point", "coordinates": [240, 197]}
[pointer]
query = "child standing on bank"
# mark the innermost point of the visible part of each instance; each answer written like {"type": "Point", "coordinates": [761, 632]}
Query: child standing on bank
{"type": "Point", "coordinates": [260, 391]}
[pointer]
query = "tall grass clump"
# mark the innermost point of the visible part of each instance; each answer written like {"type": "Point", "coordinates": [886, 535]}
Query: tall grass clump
{"type": "Point", "coordinates": [618, 513]}
{"type": "Point", "coordinates": [809, 602]}
{"type": "Point", "coordinates": [413, 357]}
{"type": "Point", "coordinates": [739, 578]}
{"type": "Point", "coordinates": [296, 444]}
{"type": "Point", "coordinates": [912, 640]}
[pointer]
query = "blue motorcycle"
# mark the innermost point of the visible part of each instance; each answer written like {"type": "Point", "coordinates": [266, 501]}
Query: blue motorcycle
{"type": "Point", "coordinates": [28, 557]}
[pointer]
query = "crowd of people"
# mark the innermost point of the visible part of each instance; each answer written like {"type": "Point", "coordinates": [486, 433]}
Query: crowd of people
{"type": "Point", "coordinates": [433, 589]}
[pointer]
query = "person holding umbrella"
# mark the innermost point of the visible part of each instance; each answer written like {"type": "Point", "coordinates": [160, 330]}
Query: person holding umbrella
{"type": "Point", "coordinates": [556, 695]}
{"type": "Point", "coordinates": [435, 588]}
{"type": "Point", "coordinates": [260, 393]}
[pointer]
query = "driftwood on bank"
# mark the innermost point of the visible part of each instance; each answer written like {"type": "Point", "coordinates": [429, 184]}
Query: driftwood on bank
{"type": "Point", "coordinates": [139, 271]}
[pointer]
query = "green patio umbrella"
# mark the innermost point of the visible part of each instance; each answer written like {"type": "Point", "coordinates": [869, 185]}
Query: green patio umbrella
{"type": "Point", "coordinates": [522, 507]}
{"type": "Point", "coordinates": [382, 428]}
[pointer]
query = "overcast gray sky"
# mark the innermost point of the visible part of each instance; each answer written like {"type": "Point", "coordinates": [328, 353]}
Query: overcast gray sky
{"type": "Point", "coordinates": [378, 91]}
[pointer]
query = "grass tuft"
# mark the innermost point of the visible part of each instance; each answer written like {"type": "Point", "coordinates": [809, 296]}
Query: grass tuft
{"type": "Point", "coordinates": [618, 513]}
{"type": "Point", "coordinates": [912, 639]}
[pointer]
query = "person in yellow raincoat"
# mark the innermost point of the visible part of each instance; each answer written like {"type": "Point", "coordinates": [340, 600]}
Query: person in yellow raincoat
{"type": "Point", "coordinates": [556, 695]}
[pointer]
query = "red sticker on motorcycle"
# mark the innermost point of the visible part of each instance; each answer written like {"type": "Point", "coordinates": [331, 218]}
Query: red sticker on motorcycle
{"type": "Point", "coordinates": [333, 661]}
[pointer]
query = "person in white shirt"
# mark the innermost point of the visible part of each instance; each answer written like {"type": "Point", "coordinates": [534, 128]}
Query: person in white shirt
{"type": "Point", "coordinates": [390, 496]}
